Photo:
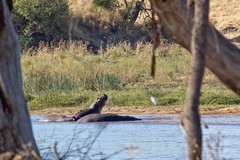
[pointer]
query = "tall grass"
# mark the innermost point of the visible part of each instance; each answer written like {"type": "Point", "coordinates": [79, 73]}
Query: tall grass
{"type": "Point", "coordinates": [69, 75]}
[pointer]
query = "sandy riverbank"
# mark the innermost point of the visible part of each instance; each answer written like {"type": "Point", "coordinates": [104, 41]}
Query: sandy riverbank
{"type": "Point", "coordinates": [145, 110]}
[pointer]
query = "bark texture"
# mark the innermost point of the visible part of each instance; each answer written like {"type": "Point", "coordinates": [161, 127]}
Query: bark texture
{"type": "Point", "coordinates": [222, 57]}
{"type": "Point", "coordinates": [191, 116]}
{"type": "Point", "coordinates": [16, 137]}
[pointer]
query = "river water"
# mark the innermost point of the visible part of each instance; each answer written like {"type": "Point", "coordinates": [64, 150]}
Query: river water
{"type": "Point", "coordinates": [156, 137]}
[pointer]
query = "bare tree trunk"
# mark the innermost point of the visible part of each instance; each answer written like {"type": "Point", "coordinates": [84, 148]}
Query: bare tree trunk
{"type": "Point", "coordinates": [16, 137]}
{"type": "Point", "coordinates": [222, 57]}
{"type": "Point", "coordinates": [191, 116]}
{"type": "Point", "coordinates": [135, 13]}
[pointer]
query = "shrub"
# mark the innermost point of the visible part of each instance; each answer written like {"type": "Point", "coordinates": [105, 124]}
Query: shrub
{"type": "Point", "coordinates": [107, 4]}
{"type": "Point", "coordinates": [46, 16]}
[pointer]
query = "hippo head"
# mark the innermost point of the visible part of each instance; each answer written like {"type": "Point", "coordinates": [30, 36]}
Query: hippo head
{"type": "Point", "coordinates": [103, 98]}
{"type": "Point", "coordinates": [95, 108]}
{"type": "Point", "coordinates": [101, 102]}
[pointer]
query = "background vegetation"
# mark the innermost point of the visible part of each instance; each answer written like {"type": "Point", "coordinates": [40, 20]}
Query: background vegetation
{"type": "Point", "coordinates": [68, 74]}
{"type": "Point", "coordinates": [45, 16]}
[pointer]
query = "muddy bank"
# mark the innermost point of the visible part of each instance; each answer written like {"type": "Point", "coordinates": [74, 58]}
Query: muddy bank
{"type": "Point", "coordinates": [131, 110]}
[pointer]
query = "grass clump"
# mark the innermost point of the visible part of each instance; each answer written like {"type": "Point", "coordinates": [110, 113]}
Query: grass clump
{"type": "Point", "coordinates": [56, 100]}
{"type": "Point", "coordinates": [218, 95]}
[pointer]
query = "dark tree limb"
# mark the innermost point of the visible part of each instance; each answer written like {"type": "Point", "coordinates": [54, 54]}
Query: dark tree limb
{"type": "Point", "coordinates": [191, 116]}
{"type": "Point", "coordinates": [222, 57]}
{"type": "Point", "coordinates": [136, 11]}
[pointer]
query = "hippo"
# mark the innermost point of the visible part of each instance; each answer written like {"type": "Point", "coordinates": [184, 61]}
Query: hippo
{"type": "Point", "coordinates": [90, 114]}
{"type": "Point", "coordinates": [96, 117]}
{"type": "Point", "coordinates": [56, 118]}
{"type": "Point", "coordinates": [96, 107]}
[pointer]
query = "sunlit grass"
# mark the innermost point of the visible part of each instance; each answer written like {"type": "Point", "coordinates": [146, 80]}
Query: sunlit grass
{"type": "Point", "coordinates": [70, 76]}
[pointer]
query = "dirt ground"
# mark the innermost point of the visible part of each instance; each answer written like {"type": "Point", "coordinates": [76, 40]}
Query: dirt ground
{"type": "Point", "coordinates": [135, 110]}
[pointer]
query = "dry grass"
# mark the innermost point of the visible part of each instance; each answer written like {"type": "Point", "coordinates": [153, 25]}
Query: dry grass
{"type": "Point", "coordinates": [86, 10]}
{"type": "Point", "coordinates": [225, 14]}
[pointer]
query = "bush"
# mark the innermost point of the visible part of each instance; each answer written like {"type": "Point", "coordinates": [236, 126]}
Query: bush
{"type": "Point", "coordinates": [107, 4]}
{"type": "Point", "coordinates": [45, 16]}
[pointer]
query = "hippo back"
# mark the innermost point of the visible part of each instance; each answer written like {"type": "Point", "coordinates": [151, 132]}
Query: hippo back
{"type": "Point", "coordinates": [106, 118]}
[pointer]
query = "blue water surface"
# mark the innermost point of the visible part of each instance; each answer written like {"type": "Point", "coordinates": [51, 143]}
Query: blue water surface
{"type": "Point", "coordinates": [155, 137]}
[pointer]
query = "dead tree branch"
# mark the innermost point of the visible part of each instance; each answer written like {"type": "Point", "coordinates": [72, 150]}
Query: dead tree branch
{"type": "Point", "coordinates": [222, 57]}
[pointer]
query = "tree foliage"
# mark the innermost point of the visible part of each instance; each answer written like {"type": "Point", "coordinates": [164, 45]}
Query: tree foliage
{"type": "Point", "coordinates": [46, 16]}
